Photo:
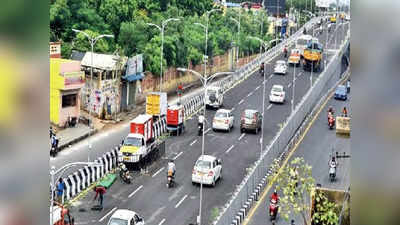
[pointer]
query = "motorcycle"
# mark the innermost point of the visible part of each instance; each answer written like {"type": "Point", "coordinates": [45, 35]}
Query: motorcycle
{"type": "Point", "coordinates": [273, 209]}
{"type": "Point", "coordinates": [200, 131]}
{"type": "Point", "coordinates": [170, 179]}
{"type": "Point", "coordinates": [261, 71]}
{"type": "Point", "coordinates": [124, 173]}
{"type": "Point", "coordinates": [54, 146]}
{"type": "Point", "coordinates": [332, 173]}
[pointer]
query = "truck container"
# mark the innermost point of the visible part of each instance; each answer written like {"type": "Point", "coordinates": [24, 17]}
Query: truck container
{"type": "Point", "coordinates": [175, 119]}
{"type": "Point", "coordinates": [143, 124]}
{"type": "Point", "coordinates": [156, 103]}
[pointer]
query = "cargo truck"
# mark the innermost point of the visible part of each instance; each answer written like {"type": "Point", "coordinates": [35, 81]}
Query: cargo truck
{"type": "Point", "coordinates": [139, 141]}
{"type": "Point", "coordinates": [156, 104]}
{"type": "Point", "coordinates": [312, 57]}
{"type": "Point", "coordinates": [175, 119]}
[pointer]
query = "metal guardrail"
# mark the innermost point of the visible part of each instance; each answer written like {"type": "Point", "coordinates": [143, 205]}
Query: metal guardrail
{"type": "Point", "coordinates": [248, 191]}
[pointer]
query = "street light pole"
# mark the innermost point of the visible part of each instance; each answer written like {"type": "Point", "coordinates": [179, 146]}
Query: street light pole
{"type": "Point", "coordinates": [238, 37]}
{"type": "Point", "coordinates": [53, 172]}
{"type": "Point", "coordinates": [204, 81]}
{"type": "Point", "coordinates": [162, 28]}
{"type": "Point", "coordinates": [92, 41]}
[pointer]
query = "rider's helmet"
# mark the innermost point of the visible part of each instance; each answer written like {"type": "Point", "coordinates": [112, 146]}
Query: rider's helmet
{"type": "Point", "coordinates": [275, 192]}
{"type": "Point", "coordinates": [171, 161]}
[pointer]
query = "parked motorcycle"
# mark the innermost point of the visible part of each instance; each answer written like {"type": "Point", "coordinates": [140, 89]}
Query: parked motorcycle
{"type": "Point", "coordinates": [124, 173]}
{"type": "Point", "coordinates": [273, 209]}
{"type": "Point", "coordinates": [170, 179]}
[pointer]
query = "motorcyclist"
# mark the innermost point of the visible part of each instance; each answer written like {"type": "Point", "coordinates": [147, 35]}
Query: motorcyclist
{"type": "Point", "coordinates": [171, 167]}
{"type": "Point", "coordinates": [344, 112]}
{"type": "Point", "coordinates": [285, 51]}
{"type": "Point", "coordinates": [275, 196]}
{"type": "Point", "coordinates": [332, 162]}
{"type": "Point", "coordinates": [262, 68]}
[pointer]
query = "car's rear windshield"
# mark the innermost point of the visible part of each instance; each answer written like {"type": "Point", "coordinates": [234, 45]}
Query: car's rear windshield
{"type": "Point", "coordinates": [276, 89]}
{"type": "Point", "coordinates": [249, 114]}
{"type": "Point", "coordinates": [221, 115]}
{"type": "Point", "coordinates": [203, 164]}
{"type": "Point", "coordinates": [210, 92]}
{"type": "Point", "coordinates": [302, 42]}
{"type": "Point", "coordinates": [341, 88]}
{"type": "Point", "coordinates": [116, 221]}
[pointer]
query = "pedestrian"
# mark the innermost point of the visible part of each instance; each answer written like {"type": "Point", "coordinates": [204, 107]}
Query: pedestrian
{"type": "Point", "coordinates": [100, 191]}
{"type": "Point", "coordinates": [60, 191]}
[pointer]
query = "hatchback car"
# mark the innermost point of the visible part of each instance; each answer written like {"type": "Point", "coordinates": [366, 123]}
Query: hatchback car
{"type": "Point", "coordinates": [294, 58]}
{"type": "Point", "coordinates": [277, 94]}
{"type": "Point", "coordinates": [341, 92]}
{"type": "Point", "coordinates": [223, 120]}
{"type": "Point", "coordinates": [250, 120]}
{"type": "Point", "coordinates": [125, 217]}
{"type": "Point", "coordinates": [207, 170]}
{"type": "Point", "coordinates": [280, 67]}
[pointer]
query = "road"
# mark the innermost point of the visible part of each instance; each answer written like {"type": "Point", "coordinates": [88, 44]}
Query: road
{"type": "Point", "coordinates": [315, 148]}
{"type": "Point", "coordinates": [149, 197]}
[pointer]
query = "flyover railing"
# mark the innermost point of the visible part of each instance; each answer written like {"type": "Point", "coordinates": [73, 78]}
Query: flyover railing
{"type": "Point", "coordinates": [248, 191]}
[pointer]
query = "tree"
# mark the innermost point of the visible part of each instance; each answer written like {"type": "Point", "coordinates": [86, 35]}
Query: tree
{"type": "Point", "coordinates": [295, 200]}
{"type": "Point", "coordinates": [133, 37]}
{"type": "Point", "coordinates": [325, 212]}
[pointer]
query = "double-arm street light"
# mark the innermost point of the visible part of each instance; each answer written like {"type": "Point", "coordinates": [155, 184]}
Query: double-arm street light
{"type": "Point", "coordinates": [205, 81]}
{"type": "Point", "coordinates": [238, 36]}
{"type": "Point", "coordinates": [206, 42]}
{"type": "Point", "coordinates": [61, 170]}
{"type": "Point", "coordinates": [262, 42]}
{"type": "Point", "coordinates": [92, 41]}
{"type": "Point", "coordinates": [162, 28]}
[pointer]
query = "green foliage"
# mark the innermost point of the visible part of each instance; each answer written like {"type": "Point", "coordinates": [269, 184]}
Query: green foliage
{"type": "Point", "coordinates": [326, 212]}
{"type": "Point", "coordinates": [126, 20]}
{"type": "Point", "coordinates": [295, 200]}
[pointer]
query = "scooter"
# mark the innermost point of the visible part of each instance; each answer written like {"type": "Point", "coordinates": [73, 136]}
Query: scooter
{"type": "Point", "coordinates": [273, 209]}
{"type": "Point", "coordinates": [332, 173]}
{"type": "Point", "coordinates": [54, 147]}
{"type": "Point", "coordinates": [200, 131]}
{"type": "Point", "coordinates": [124, 173]}
{"type": "Point", "coordinates": [170, 179]}
{"type": "Point", "coordinates": [261, 71]}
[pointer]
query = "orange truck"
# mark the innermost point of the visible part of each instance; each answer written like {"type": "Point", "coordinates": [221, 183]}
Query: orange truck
{"type": "Point", "coordinates": [175, 119]}
{"type": "Point", "coordinates": [139, 141]}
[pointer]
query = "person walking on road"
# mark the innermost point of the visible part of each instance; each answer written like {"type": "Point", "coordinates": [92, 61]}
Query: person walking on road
{"type": "Point", "coordinates": [100, 191]}
{"type": "Point", "coordinates": [60, 190]}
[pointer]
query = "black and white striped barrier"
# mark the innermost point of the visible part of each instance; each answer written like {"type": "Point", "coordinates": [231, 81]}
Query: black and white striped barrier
{"type": "Point", "coordinates": [84, 177]}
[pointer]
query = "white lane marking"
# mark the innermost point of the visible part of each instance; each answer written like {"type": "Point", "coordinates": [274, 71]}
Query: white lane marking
{"type": "Point", "coordinates": [179, 154]}
{"type": "Point", "coordinates": [249, 94]}
{"type": "Point", "coordinates": [241, 136]}
{"type": "Point", "coordinates": [134, 192]}
{"type": "Point", "coordinates": [207, 130]}
{"type": "Point", "coordinates": [257, 88]}
{"type": "Point", "coordinates": [289, 85]}
{"type": "Point", "coordinates": [112, 210]}
{"type": "Point", "coordinates": [241, 101]}
{"type": "Point", "coordinates": [301, 73]}
{"type": "Point", "coordinates": [229, 149]}
{"type": "Point", "coordinates": [155, 174]}
{"type": "Point", "coordinates": [162, 221]}
{"type": "Point", "coordinates": [194, 142]}
{"type": "Point", "coordinates": [269, 106]}
{"type": "Point", "coordinates": [180, 202]}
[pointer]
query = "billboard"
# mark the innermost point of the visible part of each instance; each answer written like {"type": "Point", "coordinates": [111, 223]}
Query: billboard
{"type": "Point", "coordinates": [134, 65]}
{"type": "Point", "coordinates": [273, 6]}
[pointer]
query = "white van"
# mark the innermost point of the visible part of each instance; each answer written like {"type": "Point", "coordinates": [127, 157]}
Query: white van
{"type": "Point", "coordinates": [214, 97]}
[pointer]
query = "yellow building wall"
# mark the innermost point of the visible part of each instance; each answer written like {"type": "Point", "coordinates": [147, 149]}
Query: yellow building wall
{"type": "Point", "coordinates": [56, 83]}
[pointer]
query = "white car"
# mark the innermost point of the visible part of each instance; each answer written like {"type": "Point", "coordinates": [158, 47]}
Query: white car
{"type": "Point", "coordinates": [207, 170]}
{"type": "Point", "coordinates": [125, 217]}
{"type": "Point", "coordinates": [277, 94]}
{"type": "Point", "coordinates": [223, 120]}
{"type": "Point", "coordinates": [280, 67]}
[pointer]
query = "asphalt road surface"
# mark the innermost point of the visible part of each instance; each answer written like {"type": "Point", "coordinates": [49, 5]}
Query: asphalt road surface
{"type": "Point", "coordinates": [148, 195]}
{"type": "Point", "coordinates": [316, 148]}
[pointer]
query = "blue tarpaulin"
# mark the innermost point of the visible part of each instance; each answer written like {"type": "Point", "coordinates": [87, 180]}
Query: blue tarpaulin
{"type": "Point", "coordinates": [133, 77]}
